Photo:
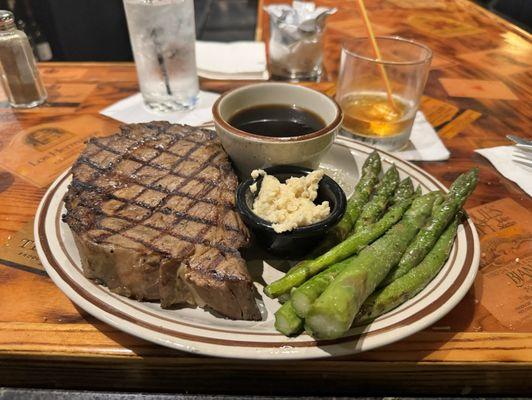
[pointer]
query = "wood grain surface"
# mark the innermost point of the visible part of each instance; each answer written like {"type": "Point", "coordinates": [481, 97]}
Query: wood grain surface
{"type": "Point", "coordinates": [478, 91]}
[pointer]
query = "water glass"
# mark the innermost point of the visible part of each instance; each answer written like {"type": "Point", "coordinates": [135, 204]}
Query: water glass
{"type": "Point", "coordinates": [163, 35]}
{"type": "Point", "coordinates": [373, 114]}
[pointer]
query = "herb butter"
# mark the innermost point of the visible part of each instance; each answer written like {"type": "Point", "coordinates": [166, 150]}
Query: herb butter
{"type": "Point", "coordinates": [291, 204]}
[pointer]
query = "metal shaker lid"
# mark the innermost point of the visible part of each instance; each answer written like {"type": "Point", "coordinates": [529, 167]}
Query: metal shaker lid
{"type": "Point", "coordinates": [7, 20]}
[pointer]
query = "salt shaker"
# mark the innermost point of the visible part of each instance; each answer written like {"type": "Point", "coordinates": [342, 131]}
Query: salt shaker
{"type": "Point", "coordinates": [18, 71]}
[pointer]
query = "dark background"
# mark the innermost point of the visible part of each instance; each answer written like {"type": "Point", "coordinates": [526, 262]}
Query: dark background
{"type": "Point", "coordinates": [95, 30]}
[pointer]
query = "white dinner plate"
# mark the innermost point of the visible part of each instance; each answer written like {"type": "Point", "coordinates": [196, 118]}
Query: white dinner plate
{"type": "Point", "coordinates": [198, 331]}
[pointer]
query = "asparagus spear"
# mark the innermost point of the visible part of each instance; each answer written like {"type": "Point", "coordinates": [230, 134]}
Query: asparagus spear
{"type": "Point", "coordinates": [426, 237]}
{"type": "Point", "coordinates": [307, 293]}
{"type": "Point", "coordinates": [369, 176]}
{"type": "Point", "coordinates": [287, 321]}
{"type": "Point", "coordinates": [376, 206]}
{"type": "Point", "coordinates": [304, 295]}
{"type": "Point", "coordinates": [350, 246]}
{"type": "Point", "coordinates": [437, 205]}
{"type": "Point", "coordinates": [410, 284]}
{"type": "Point", "coordinates": [457, 187]}
{"type": "Point", "coordinates": [363, 190]}
{"type": "Point", "coordinates": [333, 312]}
{"type": "Point", "coordinates": [404, 189]}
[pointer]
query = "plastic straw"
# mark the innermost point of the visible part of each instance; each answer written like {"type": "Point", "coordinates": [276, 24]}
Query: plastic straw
{"type": "Point", "coordinates": [377, 52]}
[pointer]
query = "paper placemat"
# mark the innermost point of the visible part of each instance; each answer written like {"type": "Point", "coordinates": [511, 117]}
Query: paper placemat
{"type": "Point", "coordinates": [505, 230]}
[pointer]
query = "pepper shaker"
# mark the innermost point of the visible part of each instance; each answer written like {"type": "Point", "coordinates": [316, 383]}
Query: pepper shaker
{"type": "Point", "coordinates": [18, 72]}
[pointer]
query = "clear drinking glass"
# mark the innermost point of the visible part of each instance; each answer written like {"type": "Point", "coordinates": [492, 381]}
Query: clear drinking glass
{"type": "Point", "coordinates": [163, 36]}
{"type": "Point", "coordinates": [369, 115]}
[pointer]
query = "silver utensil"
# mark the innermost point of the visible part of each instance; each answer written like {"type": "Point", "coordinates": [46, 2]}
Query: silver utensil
{"type": "Point", "coordinates": [522, 161]}
{"type": "Point", "coordinates": [519, 140]}
{"type": "Point", "coordinates": [522, 157]}
{"type": "Point", "coordinates": [523, 150]}
{"type": "Point", "coordinates": [525, 147]}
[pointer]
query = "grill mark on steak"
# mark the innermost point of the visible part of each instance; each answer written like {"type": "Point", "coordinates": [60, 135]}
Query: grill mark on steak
{"type": "Point", "coordinates": [155, 187]}
{"type": "Point", "coordinates": [182, 216]}
{"type": "Point", "coordinates": [140, 160]}
{"type": "Point", "coordinates": [95, 185]}
{"type": "Point", "coordinates": [143, 164]}
{"type": "Point", "coordinates": [190, 239]}
{"type": "Point", "coordinates": [165, 199]}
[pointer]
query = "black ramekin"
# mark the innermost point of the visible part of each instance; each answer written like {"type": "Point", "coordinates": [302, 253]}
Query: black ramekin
{"type": "Point", "coordinates": [298, 241]}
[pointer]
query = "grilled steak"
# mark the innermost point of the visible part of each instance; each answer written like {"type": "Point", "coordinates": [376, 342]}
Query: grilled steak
{"type": "Point", "coordinates": [152, 213]}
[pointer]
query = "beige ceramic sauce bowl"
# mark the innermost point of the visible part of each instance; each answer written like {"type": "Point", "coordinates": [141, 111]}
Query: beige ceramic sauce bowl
{"type": "Point", "coordinates": [249, 151]}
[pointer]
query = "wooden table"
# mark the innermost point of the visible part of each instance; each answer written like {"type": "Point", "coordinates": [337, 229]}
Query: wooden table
{"type": "Point", "coordinates": [478, 91]}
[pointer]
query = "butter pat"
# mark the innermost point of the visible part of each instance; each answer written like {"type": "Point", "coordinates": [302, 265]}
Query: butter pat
{"type": "Point", "coordinates": [289, 205]}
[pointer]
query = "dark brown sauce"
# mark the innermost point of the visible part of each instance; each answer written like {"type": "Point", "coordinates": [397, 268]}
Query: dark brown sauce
{"type": "Point", "coordinates": [277, 120]}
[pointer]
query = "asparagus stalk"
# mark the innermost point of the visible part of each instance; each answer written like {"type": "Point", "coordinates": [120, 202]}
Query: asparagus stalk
{"type": "Point", "coordinates": [287, 321]}
{"type": "Point", "coordinates": [437, 204]}
{"type": "Point", "coordinates": [426, 237]}
{"type": "Point", "coordinates": [333, 312]}
{"type": "Point", "coordinates": [459, 186]}
{"type": "Point", "coordinates": [410, 284]}
{"type": "Point", "coordinates": [364, 188]}
{"type": "Point", "coordinates": [404, 188]}
{"type": "Point", "coordinates": [307, 293]}
{"type": "Point", "coordinates": [378, 203]}
{"type": "Point", "coordinates": [348, 247]}
{"type": "Point", "coordinates": [304, 295]}
{"type": "Point", "coordinates": [369, 176]}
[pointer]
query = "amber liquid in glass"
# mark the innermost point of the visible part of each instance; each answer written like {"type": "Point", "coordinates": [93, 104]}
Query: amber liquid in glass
{"type": "Point", "coordinates": [373, 116]}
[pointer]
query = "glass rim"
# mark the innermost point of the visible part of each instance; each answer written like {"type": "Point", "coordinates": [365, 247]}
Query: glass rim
{"type": "Point", "coordinates": [424, 60]}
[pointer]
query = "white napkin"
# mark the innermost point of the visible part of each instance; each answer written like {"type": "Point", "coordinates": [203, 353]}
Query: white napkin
{"type": "Point", "coordinates": [235, 60]}
{"type": "Point", "coordinates": [501, 158]}
{"type": "Point", "coordinates": [425, 144]}
{"type": "Point", "coordinates": [132, 110]}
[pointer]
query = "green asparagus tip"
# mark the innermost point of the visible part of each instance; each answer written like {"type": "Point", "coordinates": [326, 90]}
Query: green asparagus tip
{"type": "Point", "coordinates": [407, 182]}
{"type": "Point", "coordinates": [470, 176]}
{"type": "Point", "coordinates": [373, 158]}
{"type": "Point", "coordinates": [404, 189]}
